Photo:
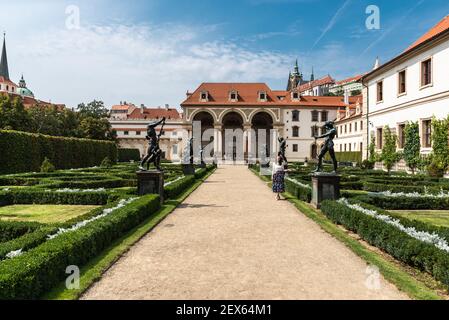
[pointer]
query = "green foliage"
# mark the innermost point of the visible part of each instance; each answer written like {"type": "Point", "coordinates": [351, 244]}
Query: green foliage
{"type": "Point", "coordinates": [405, 203]}
{"type": "Point", "coordinates": [439, 159]}
{"type": "Point", "coordinates": [372, 151]}
{"type": "Point", "coordinates": [14, 229]}
{"type": "Point", "coordinates": [367, 165]}
{"type": "Point", "coordinates": [24, 152]}
{"type": "Point", "coordinates": [389, 155]}
{"type": "Point", "coordinates": [298, 191]}
{"type": "Point", "coordinates": [125, 155]}
{"type": "Point", "coordinates": [356, 93]}
{"type": "Point", "coordinates": [106, 163]}
{"type": "Point", "coordinates": [13, 114]}
{"type": "Point", "coordinates": [47, 166]}
{"type": "Point", "coordinates": [412, 147]}
{"type": "Point", "coordinates": [35, 272]}
{"type": "Point", "coordinates": [354, 156]}
{"type": "Point", "coordinates": [403, 247]}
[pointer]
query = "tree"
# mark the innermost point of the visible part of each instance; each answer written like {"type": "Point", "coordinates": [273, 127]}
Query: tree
{"type": "Point", "coordinates": [412, 147]}
{"type": "Point", "coordinates": [94, 109]}
{"type": "Point", "coordinates": [439, 158]}
{"type": "Point", "coordinates": [46, 120]}
{"type": "Point", "coordinates": [93, 128]}
{"type": "Point", "coordinates": [372, 151]}
{"type": "Point", "coordinates": [13, 114]}
{"type": "Point", "coordinates": [389, 155]}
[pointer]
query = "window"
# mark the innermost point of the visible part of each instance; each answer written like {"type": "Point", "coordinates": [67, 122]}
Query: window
{"type": "Point", "coordinates": [262, 96]}
{"type": "Point", "coordinates": [126, 133]}
{"type": "Point", "coordinates": [426, 72]}
{"type": "Point", "coordinates": [427, 133]}
{"type": "Point", "coordinates": [233, 96]}
{"type": "Point", "coordinates": [295, 148]}
{"type": "Point", "coordinates": [295, 95]}
{"type": "Point", "coordinates": [314, 131]}
{"type": "Point", "coordinates": [204, 96]}
{"type": "Point", "coordinates": [361, 146]}
{"type": "Point", "coordinates": [324, 116]}
{"type": "Point", "coordinates": [380, 91]}
{"type": "Point", "coordinates": [345, 147]}
{"type": "Point", "coordinates": [346, 128]}
{"type": "Point", "coordinates": [361, 125]}
{"type": "Point", "coordinates": [341, 147]}
{"type": "Point", "coordinates": [350, 127]}
{"type": "Point", "coordinates": [175, 149]}
{"type": "Point", "coordinates": [355, 126]}
{"type": "Point", "coordinates": [379, 138]}
{"type": "Point", "coordinates": [350, 147]}
{"type": "Point", "coordinates": [323, 130]}
{"type": "Point", "coordinates": [401, 84]}
{"type": "Point", "coordinates": [138, 133]}
{"type": "Point", "coordinates": [315, 116]}
{"type": "Point", "coordinates": [401, 136]}
{"type": "Point", "coordinates": [295, 115]}
{"type": "Point", "coordinates": [295, 132]}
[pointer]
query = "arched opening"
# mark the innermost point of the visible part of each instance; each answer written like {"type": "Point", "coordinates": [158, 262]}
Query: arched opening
{"type": "Point", "coordinates": [232, 142]}
{"type": "Point", "coordinates": [262, 124]}
{"type": "Point", "coordinates": [207, 122]}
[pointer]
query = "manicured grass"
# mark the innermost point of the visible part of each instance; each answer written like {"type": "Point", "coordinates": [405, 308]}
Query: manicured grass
{"type": "Point", "coordinates": [391, 270]}
{"type": "Point", "coordinates": [93, 271]}
{"type": "Point", "coordinates": [43, 213]}
{"type": "Point", "coordinates": [435, 217]}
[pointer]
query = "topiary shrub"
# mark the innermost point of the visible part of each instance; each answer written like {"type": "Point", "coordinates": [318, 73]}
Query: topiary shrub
{"type": "Point", "coordinates": [106, 163]}
{"type": "Point", "coordinates": [47, 166]}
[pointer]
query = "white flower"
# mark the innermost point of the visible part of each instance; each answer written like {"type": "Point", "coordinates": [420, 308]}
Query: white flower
{"type": "Point", "coordinates": [432, 238]}
{"type": "Point", "coordinates": [79, 190]}
{"type": "Point", "coordinates": [298, 183]}
{"type": "Point", "coordinates": [14, 254]}
{"type": "Point", "coordinates": [173, 181]}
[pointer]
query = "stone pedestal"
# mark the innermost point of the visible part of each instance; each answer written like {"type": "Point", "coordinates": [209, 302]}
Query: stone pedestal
{"type": "Point", "coordinates": [150, 182]}
{"type": "Point", "coordinates": [325, 186]}
{"type": "Point", "coordinates": [188, 169]}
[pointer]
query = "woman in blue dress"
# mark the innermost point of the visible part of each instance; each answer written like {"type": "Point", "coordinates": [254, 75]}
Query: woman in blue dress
{"type": "Point", "coordinates": [278, 175]}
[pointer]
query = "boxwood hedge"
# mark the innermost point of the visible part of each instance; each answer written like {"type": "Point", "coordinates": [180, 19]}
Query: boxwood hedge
{"type": "Point", "coordinates": [24, 152]}
{"type": "Point", "coordinates": [397, 243]}
{"type": "Point", "coordinates": [33, 273]}
{"type": "Point", "coordinates": [125, 155]}
{"type": "Point", "coordinates": [38, 196]}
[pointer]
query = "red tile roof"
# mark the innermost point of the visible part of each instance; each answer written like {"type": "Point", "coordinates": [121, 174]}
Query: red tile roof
{"type": "Point", "coordinates": [248, 96]}
{"type": "Point", "coordinates": [319, 82]}
{"type": "Point", "coordinates": [3, 80]}
{"type": "Point", "coordinates": [349, 80]}
{"type": "Point", "coordinates": [441, 26]}
{"type": "Point", "coordinates": [154, 113]}
{"type": "Point", "coordinates": [120, 107]}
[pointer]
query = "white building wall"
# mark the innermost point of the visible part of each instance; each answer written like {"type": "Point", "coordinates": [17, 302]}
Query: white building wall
{"type": "Point", "coordinates": [419, 103]}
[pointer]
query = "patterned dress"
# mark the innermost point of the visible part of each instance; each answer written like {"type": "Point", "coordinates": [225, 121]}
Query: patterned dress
{"type": "Point", "coordinates": [278, 181]}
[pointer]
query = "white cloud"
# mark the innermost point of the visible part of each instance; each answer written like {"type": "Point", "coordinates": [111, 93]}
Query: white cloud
{"type": "Point", "coordinates": [139, 63]}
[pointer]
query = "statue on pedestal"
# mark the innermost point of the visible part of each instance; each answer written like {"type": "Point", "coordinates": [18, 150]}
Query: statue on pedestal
{"type": "Point", "coordinates": [187, 154]}
{"type": "Point", "coordinates": [154, 152]}
{"type": "Point", "coordinates": [328, 146]}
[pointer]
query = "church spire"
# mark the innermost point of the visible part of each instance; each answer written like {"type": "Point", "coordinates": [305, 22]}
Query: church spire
{"type": "Point", "coordinates": [296, 68]}
{"type": "Point", "coordinates": [4, 72]}
{"type": "Point", "coordinates": [312, 76]}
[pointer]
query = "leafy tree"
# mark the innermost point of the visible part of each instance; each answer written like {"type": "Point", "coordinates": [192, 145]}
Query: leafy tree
{"type": "Point", "coordinates": [389, 155]}
{"type": "Point", "coordinates": [439, 158]}
{"type": "Point", "coordinates": [372, 151]}
{"type": "Point", "coordinates": [13, 114]}
{"type": "Point", "coordinates": [356, 93]}
{"type": "Point", "coordinates": [46, 120]}
{"type": "Point", "coordinates": [93, 128]}
{"type": "Point", "coordinates": [94, 109]}
{"type": "Point", "coordinates": [47, 166]}
{"type": "Point", "coordinates": [412, 147]}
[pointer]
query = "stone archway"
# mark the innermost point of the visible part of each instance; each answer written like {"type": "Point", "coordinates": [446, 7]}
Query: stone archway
{"type": "Point", "coordinates": [262, 124]}
{"type": "Point", "coordinates": [233, 144]}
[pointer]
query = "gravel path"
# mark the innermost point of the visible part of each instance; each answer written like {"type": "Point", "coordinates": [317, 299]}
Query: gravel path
{"type": "Point", "coordinates": [230, 239]}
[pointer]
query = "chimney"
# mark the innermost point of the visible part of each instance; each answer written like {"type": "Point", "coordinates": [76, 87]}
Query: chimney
{"type": "Point", "coordinates": [167, 106]}
{"type": "Point", "coordinates": [188, 94]}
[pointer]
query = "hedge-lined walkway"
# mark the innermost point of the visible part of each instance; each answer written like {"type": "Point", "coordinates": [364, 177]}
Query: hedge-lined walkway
{"type": "Point", "coordinates": [232, 240]}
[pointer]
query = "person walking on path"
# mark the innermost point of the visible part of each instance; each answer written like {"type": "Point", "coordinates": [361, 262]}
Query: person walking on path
{"type": "Point", "coordinates": [277, 177]}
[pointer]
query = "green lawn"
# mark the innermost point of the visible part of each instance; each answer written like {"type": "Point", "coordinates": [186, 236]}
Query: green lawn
{"type": "Point", "coordinates": [43, 213]}
{"type": "Point", "coordinates": [435, 217]}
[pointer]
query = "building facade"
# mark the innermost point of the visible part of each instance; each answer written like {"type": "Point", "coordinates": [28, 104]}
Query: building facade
{"type": "Point", "coordinates": [130, 125]}
{"type": "Point", "coordinates": [350, 128]}
{"type": "Point", "coordinates": [413, 86]}
{"type": "Point", "coordinates": [351, 85]}
{"type": "Point", "coordinates": [261, 115]}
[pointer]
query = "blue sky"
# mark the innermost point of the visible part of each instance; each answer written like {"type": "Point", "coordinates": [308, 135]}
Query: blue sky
{"type": "Point", "coordinates": [152, 52]}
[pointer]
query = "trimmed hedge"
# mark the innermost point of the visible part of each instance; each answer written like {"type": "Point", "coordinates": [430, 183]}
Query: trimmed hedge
{"type": "Point", "coordinates": [176, 188]}
{"type": "Point", "coordinates": [35, 196]}
{"type": "Point", "coordinates": [25, 152]}
{"type": "Point", "coordinates": [13, 229]}
{"type": "Point", "coordinates": [354, 156]}
{"type": "Point", "coordinates": [400, 245]}
{"type": "Point", "coordinates": [35, 272]}
{"type": "Point", "coordinates": [405, 203]}
{"type": "Point", "coordinates": [126, 155]}
{"type": "Point", "coordinates": [298, 191]}
{"type": "Point", "coordinates": [380, 187]}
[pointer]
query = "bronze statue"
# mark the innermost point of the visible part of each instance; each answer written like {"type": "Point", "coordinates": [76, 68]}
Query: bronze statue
{"type": "Point", "coordinates": [282, 148]}
{"type": "Point", "coordinates": [328, 146]}
{"type": "Point", "coordinates": [154, 152]}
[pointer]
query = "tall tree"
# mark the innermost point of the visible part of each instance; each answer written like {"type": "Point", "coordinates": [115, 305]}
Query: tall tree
{"type": "Point", "coordinates": [412, 147]}
{"type": "Point", "coordinates": [440, 146]}
{"type": "Point", "coordinates": [389, 155]}
{"type": "Point", "coordinates": [94, 109]}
